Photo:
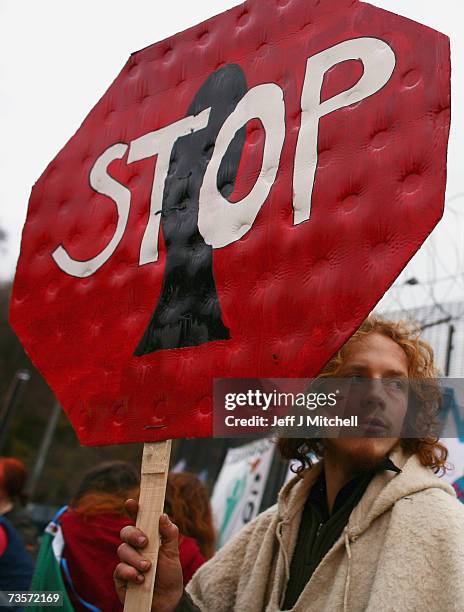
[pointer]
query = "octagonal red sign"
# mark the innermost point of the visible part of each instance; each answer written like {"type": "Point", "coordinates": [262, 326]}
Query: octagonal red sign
{"type": "Point", "coordinates": [234, 206]}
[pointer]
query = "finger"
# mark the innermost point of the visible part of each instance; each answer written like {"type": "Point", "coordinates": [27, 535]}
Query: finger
{"type": "Point", "coordinates": [133, 536]}
{"type": "Point", "coordinates": [125, 573]}
{"type": "Point", "coordinates": [132, 506]}
{"type": "Point", "coordinates": [132, 557]}
{"type": "Point", "coordinates": [120, 586]}
{"type": "Point", "coordinates": [169, 537]}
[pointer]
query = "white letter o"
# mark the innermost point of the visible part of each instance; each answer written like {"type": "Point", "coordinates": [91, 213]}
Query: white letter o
{"type": "Point", "coordinates": [219, 221]}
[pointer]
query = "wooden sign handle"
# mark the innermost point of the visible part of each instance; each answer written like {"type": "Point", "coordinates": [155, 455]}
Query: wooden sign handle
{"type": "Point", "coordinates": [154, 474]}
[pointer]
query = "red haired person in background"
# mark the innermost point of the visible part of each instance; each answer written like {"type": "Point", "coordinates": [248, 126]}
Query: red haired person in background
{"type": "Point", "coordinates": [91, 527]}
{"type": "Point", "coordinates": [15, 563]}
{"type": "Point", "coordinates": [187, 504]}
{"type": "Point", "coordinates": [13, 499]}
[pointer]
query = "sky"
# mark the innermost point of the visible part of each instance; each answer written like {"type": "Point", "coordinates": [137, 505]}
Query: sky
{"type": "Point", "coordinates": [57, 58]}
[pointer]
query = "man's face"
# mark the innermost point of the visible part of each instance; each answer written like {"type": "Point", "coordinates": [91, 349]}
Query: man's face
{"type": "Point", "coordinates": [378, 369]}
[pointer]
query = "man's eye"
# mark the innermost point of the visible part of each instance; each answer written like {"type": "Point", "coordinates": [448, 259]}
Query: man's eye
{"type": "Point", "coordinates": [397, 384]}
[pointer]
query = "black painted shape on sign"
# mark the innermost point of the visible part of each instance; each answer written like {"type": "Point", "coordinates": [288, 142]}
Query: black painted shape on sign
{"type": "Point", "coordinates": [188, 312]}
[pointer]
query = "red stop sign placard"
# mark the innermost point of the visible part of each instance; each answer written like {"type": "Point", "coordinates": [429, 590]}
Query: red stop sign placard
{"type": "Point", "coordinates": [234, 206]}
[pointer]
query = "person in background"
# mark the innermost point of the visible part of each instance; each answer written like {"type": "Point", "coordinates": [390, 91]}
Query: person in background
{"type": "Point", "coordinates": [16, 565]}
{"type": "Point", "coordinates": [90, 528]}
{"type": "Point", "coordinates": [13, 499]}
{"type": "Point", "coordinates": [187, 504]}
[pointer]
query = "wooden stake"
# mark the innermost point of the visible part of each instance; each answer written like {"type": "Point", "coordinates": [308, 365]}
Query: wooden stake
{"type": "Point", "coordinates": [154, 472]}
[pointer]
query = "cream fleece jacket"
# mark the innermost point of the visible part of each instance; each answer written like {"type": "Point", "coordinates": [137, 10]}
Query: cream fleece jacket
{"type": "Point", "coordinates": [401, 551]}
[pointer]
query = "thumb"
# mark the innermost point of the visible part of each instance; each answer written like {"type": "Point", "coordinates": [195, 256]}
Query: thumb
{"type": "Point", "coordinates": [169, 537]}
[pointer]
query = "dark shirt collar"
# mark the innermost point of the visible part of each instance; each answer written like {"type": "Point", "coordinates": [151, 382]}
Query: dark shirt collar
{"type": "Point", "coordinates": [387, 464]}
{"type": "Point", "coordinates": [350, 491]}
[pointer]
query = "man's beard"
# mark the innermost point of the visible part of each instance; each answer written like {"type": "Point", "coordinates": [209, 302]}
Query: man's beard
{"type": "Point", "coordinates": [361, 454]}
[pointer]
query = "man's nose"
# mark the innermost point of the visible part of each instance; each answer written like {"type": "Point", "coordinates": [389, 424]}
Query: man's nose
{"type": "Point", "coordinates": [374, 394]}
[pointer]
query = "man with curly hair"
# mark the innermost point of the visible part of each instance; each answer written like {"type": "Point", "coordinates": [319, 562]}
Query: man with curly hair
{"type": "Point", "coordinates": [368, 527]}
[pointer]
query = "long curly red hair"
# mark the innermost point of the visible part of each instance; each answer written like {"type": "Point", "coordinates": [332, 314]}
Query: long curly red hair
{"type": "Point", "coordinates": [431, 452]}
{"type": "Point", "coordinates": [187, 504]}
